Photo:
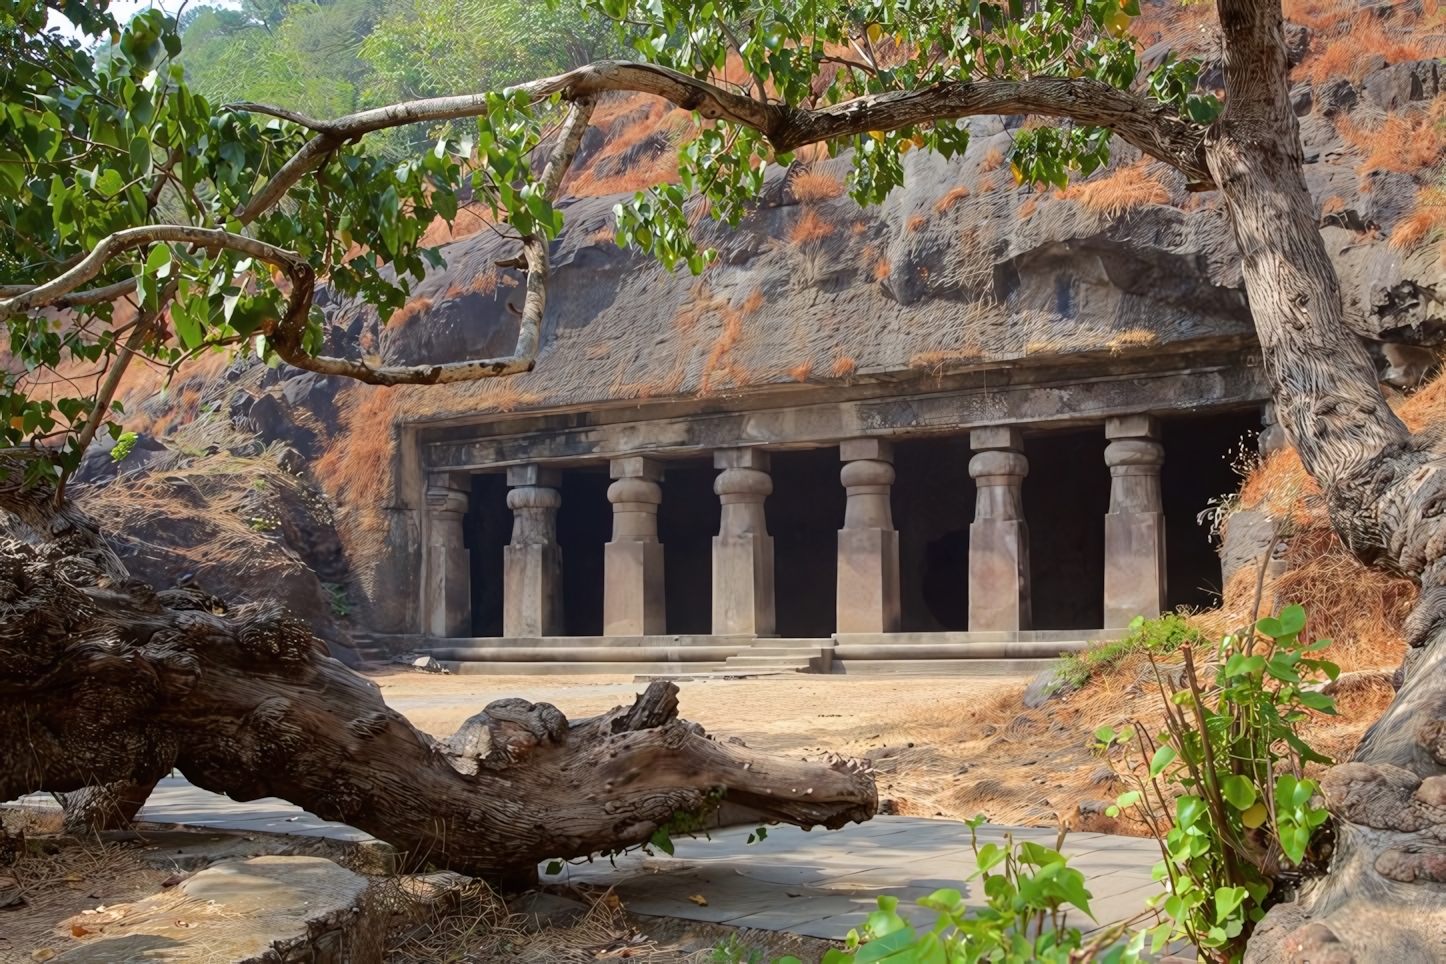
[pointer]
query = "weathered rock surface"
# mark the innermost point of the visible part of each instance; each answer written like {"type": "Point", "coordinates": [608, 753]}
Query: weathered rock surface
{"type": "Point", "coordinates": [276, 910]}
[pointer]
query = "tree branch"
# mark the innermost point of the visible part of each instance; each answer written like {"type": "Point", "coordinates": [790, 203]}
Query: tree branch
{"type": "Point", "coordinates": [1154, 128]}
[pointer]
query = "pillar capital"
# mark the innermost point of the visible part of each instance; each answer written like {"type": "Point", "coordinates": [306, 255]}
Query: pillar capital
{"type": "Point", "coordinates": [872, 449]}
{"type": "Point", "coordinates": [447, 500]}
{"type": "Point", "coordinates": [737, 485]}
{"type": "Point", "coordinates": [534, 474]}
{"type": "Point", "coordinates": [1132, 426]}
{"type": "Point", "coordinates": [997, 437]}
{"type": "Point", "coordinates": [741, 458]}
{"type": "Point", "coordinates": [636, 467]}
{"type": "Point", "coordinates": [1134, 456]}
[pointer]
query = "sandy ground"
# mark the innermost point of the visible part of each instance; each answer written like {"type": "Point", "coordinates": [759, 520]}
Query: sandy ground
{"type": "Point", "coordinates": [942, 746]}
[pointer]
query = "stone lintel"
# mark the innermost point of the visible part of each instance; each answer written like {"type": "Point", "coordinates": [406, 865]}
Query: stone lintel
{"type": "Point", "coordinates": [741, 458]}
{"type": "Point", "coordinates": [996, 437]}
{"type": "Point", "coordinates": [1132, 426]}
{"type": "Point", "coordinates": [870, 449]}
{"type": "Point", "coordinates": [533, 474]}
{"type": "Point", "coordinates": [636, 467]}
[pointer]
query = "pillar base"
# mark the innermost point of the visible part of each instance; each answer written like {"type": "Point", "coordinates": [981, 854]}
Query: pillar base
{"type": "Point", "coordinates": [743, 585]}
{"type": "Point", "coordinates": [999, 576]}
{"type": "Point", "coordinates": [532, 590]}
{"type": "Point", "coordinates": [1134, 567]}
{"type": "Point", "coordinates": [868, 581]}
{"type": "Point", "coordinates": [633, 589]}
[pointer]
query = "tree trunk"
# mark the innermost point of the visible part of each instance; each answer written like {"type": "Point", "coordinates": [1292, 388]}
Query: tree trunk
{"type": "Point", "coordinates": [105, 682]}
{"type": "Point", "coordinates": [1385, 491]}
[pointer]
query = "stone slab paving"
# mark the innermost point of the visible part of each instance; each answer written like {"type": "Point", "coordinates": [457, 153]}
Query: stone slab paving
{"type": "Point", "coordinates": [822, 883]}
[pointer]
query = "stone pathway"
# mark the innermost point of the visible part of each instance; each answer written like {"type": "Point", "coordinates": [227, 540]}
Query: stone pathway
{"type": "Point", "coordinates": [817, 884]}
{"type": "Point", "coordinates": [823, 883]}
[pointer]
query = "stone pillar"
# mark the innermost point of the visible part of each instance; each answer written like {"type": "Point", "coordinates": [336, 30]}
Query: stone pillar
{"type": "Point", "coordinates": [449, 576]}
{"type": "Point", "coordinates": [633, 562]}
{"type": "Point", "coordinates": [1135, 526]}
{"type": "Point", "coordinates": [868, 544]}
{"type": "Point", "coordinates": [743, 549]}
{"type": "Point", "coordinates": [1273, 436]}
{"type": "Point", "coordinates": [998, 537]}
{"type": "Point", "coordinates": [532, 562]}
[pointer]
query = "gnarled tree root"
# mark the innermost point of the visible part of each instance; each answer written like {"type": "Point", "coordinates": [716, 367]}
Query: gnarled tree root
{"type": "Point", "coordinates": [109, 682]}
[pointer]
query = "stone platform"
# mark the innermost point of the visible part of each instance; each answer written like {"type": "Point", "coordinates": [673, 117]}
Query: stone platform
{"type": "Point", "coordinates": [947, 653]}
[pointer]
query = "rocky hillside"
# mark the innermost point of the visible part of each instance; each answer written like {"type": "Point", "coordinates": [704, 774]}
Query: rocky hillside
{"type": "Point", "coordinates": [256, 480]}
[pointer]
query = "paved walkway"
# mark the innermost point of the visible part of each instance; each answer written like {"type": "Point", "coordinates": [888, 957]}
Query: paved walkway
{"type": "Point", "coordinates": [822, 883]}
{"type": "Point", "coordinates": [818, 884]}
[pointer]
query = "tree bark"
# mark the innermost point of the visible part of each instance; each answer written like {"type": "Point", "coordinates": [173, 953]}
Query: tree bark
{"type": "Point", "coordinates": [107, 682]}
{"type": "Point", "coordinates": [1385, 490]}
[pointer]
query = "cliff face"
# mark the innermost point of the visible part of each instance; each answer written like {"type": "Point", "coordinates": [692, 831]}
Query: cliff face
{"type": "Point", "coordinates": [960, 268]}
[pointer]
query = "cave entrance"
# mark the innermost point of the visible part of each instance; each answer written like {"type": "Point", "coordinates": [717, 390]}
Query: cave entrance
{"type": "Point", "coordinates": [805, 513]}
{"type": "Point", "coordinates": [1066, 495]}
{"type": "Point", "coordinates": [1201, 458]}
{"type": "Point", "coordinates": [933, 504]}
{"type": "Point", "coordinates": [687, 522]}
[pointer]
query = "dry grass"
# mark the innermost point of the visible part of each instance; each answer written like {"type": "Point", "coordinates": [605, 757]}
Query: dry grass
{"type": "Point", "coordinates": [993, 160]}
{"type": "Point", "coordinates": [1030, 205]}
{"type": "Point", "coordinates": [951, 197]}
{"type": "Point", "coordinates": [814, 185]}
{"type": "Point", "coordinates": [843, 366]}
{"type": "Point", "coordinates": [1345, 40]}
{"type": "Point", "coordinates": [916, 223]}
{"type": "Point", "coordinates": [1406, 143]}
{"type": "Point", "coordinates": [1120, 191]}
{"type": "Point", "coordinates": [1425, 222]}
{"type": "Point", "coordinates": [409, 311]}
{"type": "Point", "coordinates": [60, 885]}
{"type": "Point", "coordinates": [801, 371]}
{"type": "Point", "coordinates": [809, 226]}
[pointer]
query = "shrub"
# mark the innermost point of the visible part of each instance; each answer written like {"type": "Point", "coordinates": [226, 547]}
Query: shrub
{"type": "Point", "coordinates": [1155, 636]}
{"type": "Point", "coordinates": [1230, 768]}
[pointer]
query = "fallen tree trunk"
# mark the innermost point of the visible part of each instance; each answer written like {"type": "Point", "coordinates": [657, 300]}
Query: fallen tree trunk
{"type": "Point", "coordinates": [105, 682]}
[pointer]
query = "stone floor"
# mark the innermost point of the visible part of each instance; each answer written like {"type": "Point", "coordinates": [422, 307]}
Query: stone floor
{"type": "Point", "coordinates": [822, 883]}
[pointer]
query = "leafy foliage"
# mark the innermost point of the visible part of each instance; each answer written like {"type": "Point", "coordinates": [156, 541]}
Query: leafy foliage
{"type": "Point", "coordinates": [128, 130]}
{"type": "Point", "coordinates": [1230, 768]}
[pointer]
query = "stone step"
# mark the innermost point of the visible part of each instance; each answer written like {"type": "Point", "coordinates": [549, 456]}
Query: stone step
{"type": "Point", "coordinates": [792, 662]}
{"type": "Point", "coordinates": [784, 651]}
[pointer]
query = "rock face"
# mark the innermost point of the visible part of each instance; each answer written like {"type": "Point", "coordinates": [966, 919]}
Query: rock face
{"type": "Point", "coordinates": [265, 910]}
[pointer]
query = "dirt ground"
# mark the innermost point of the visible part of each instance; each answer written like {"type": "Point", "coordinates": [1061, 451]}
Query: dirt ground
{"type": "Point", "coordinates": [942, 746]}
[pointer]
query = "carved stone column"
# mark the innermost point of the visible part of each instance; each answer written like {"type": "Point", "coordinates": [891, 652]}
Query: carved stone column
{"type": "Point", "coordinates": [532, 562]}
{"type": "Point", "coordinates": [998, 538]}
{"type": "Point", "coordinates": [743, 549]}
{"type": "Point", "coordinates": [868, 544]}
{"type": "Point", "coordinates": [449, 576]}
{"type": "Point", "coordinates": [1135, 526]}
{"type": "Point", "coordinates": [633, 562]}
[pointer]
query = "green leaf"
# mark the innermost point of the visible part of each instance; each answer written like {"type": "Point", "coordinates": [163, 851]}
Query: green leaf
{"type": "Point", "coordinates": [1163, 757]}
{"type": "Point", "coordinates": [1238, 791]}
{"type": "Point", "coordinates": [1292, 620]}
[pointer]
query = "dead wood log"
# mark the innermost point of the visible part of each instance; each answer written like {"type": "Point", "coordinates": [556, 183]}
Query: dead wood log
{"type": "Point", "coordinates": [105, 682]}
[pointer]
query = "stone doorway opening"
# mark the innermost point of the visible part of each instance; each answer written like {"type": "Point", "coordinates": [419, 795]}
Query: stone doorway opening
{"type": "Point", "coordinates": [1066, 496]}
